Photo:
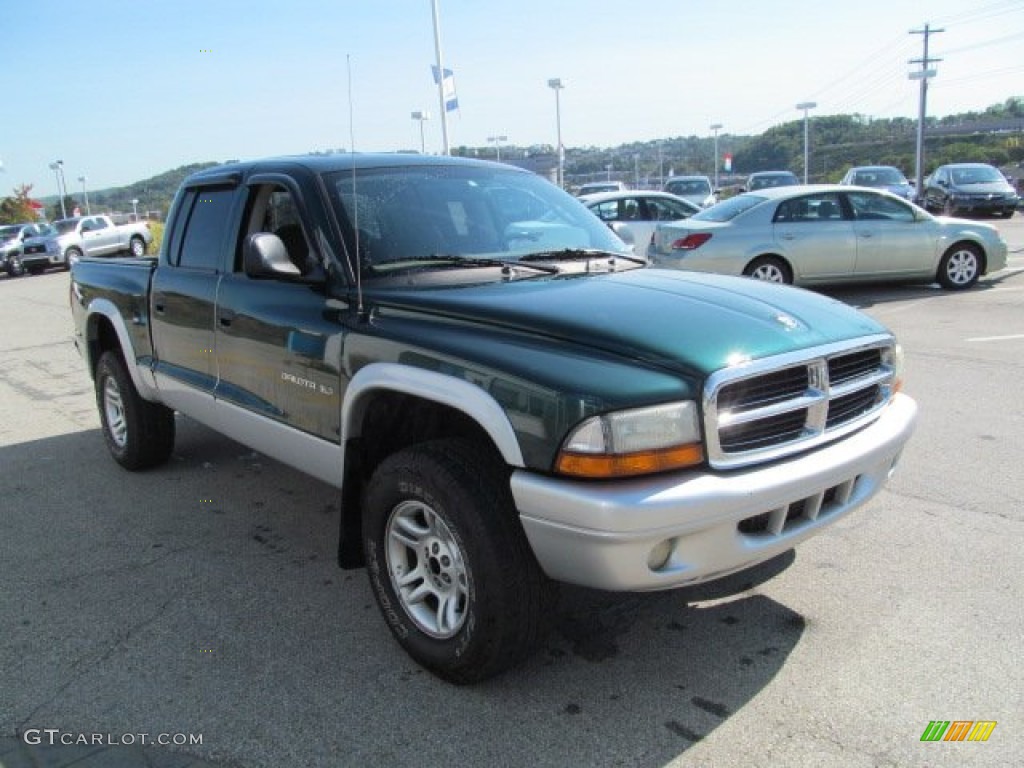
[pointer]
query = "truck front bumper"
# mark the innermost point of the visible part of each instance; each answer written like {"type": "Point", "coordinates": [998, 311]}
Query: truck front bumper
{"type": "Point", "coordinates": [683, 528]}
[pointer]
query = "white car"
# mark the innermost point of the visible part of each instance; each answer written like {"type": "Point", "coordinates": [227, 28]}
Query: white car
{"type": "Point", "coordinates": [634, 215]}
{"type": "Point", "coordinates": [829, 234]}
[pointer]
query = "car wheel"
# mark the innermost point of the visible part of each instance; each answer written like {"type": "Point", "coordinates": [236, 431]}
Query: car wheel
{"type": "Point", "coordinates": [770, 269]}
{"type": "Point", "coordinates": [139, 434]}
{"type": "Point", "coordinates": [137, 246]}
{"type": "Point", "coordinates": [960, 267]}
{"type": "Point", "coordinates": [1007, 213]}
{"type": "Point", "coordinates": [14, 267]}
{"type": "Point", "coordinates": [449, 563]}
{"type": "Point", "coordinates": [71, 255]}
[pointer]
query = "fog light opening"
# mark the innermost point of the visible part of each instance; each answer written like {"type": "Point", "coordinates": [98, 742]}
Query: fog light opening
{"type": "Point", "coordinates": [660, 554]}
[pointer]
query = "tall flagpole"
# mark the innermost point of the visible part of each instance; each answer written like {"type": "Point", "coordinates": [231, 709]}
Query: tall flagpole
{"type": "Point", "coordinates": [440, 79]}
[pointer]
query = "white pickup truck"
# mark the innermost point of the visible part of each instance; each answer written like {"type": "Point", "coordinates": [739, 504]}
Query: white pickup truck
{"type": "Point", "coordinates": [80, 236]}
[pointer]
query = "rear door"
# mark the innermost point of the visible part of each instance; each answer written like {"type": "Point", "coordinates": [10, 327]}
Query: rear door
{"type": "Point", "coordinates": [184, 294]}
{"type": "Point", "coordinates": [99, 237]}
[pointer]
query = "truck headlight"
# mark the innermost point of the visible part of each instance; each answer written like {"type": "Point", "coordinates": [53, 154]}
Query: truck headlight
{"type": "Point", "coordinates": [638, 441]}
{"type": "Point", "coordinates": [893, 357]}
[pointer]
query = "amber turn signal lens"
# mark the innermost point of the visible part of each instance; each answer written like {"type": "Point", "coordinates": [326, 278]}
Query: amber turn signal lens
{"type": "Point", "coordinates": [628, 464]}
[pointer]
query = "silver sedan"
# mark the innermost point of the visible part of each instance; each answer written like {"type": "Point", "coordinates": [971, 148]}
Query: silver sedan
{"type": "Point", "coordinates": [829, 234]}
{"type": "Point", "coordinates": [633, 215]}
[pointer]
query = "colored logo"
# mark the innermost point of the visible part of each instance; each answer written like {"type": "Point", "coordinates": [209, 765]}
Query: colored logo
{"type": "Point", "coordinates": [958, 730]}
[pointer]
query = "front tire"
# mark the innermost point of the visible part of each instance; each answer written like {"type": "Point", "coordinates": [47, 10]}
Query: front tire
{"type": "Point", "coordinates": [770, 269]}
{"type": "Point", "coordinates": [14, 267]}
{"type": "Point", "coordinates": [138, 433]}
{"type": "Point", "coordinates": [449, 562]}
{"type": "Point", "coordinates": [960, 267]}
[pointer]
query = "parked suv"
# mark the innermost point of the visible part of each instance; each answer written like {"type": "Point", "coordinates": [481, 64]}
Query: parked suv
{"type": "Point", "coordinates": [969, 188]}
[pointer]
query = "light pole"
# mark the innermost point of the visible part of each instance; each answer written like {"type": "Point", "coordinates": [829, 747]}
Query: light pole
{"type": "Point", "coordinates": [636, 171]}
{"type": "Point", "coordinates": [496, 141]}
{"type": "Point", "coordinates": [556, 84]}
{"type": "Point", "coordinates": [716, 127]}
{"type": "Point", "coordinates": [135, 209]}
{"type": "Point", "coordinates": [422, 117]}
{"type": "Point", "coordinates": [85, 194]}
{"type": "Point", "coordinates": [58, 170]}
{"type": "Point", "coordinates": [806, 105]}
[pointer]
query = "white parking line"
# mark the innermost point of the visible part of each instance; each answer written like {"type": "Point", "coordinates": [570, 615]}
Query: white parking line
{"type": "Point", "coordinates": [998, 338]}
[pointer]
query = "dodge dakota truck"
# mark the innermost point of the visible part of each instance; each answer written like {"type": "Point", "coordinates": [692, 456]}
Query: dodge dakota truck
{"type": "Point", "coordinates": [70, 239]}
{"type": "Point", "coordinates": [504, 395]}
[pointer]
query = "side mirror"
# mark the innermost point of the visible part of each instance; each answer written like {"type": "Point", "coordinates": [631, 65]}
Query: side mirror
{"type": "Point", "coordinates": [264, 255]}
{"type": "Point", "coordinates": [942, 183]}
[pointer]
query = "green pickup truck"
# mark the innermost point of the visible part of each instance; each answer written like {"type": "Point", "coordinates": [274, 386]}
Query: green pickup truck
{"type": "Point", "coordinates": [505, 395]}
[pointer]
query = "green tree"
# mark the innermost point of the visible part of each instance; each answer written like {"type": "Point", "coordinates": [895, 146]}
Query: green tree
{"type": "Point", "coordinates": [56, 212]}
{"type": "Point", "coordinates": [18, 208]}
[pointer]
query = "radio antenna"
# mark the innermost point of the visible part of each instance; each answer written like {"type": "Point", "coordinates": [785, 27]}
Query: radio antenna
{"type": "Point", "coordinates": [355, 201]}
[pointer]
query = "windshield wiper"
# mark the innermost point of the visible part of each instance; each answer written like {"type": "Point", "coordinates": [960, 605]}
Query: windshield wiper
{"type": "Point", "coordinates": [441, 260]}
{"type": "Point", "coordinates": [578, 254]}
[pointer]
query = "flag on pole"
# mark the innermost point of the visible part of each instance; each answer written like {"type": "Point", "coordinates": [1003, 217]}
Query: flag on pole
{"type": "Point", "coordinates": [451, 101]}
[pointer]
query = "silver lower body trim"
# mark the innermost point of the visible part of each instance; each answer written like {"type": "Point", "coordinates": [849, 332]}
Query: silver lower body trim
{"type": "Point", "coordinates": [685, 528]}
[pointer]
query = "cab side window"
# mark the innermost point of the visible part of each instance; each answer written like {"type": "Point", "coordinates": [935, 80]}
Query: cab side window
{"type": "Point", "coordinates": [206, 229]}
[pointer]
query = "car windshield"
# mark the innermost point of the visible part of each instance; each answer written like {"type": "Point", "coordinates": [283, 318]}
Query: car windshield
{"type": "Point", "coordinates": [65, 225]}
{"type": "Point", "coordinates": [45, 230]}
{"type": "Point", "coordinates": [437, 217]}
{"type": "Point", "coordinates": [729, 209]}
{"type": "Point", "coordinates": [6, 233]}
{"type": "Point", "coordinates": [980, 175]}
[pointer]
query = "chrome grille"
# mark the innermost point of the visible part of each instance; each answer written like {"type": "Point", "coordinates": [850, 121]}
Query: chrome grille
{"type": "Point", "coordinates": [774, 407]}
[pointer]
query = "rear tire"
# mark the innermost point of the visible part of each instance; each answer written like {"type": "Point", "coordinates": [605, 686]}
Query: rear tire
{"type": "Point", "coordinates": [71, 254]}
{"type": "Point", "coordinates": [770, 269]}
{"type": "Point", "coordinates": [137, 247]}
{"type": "Point", "coordinates": [960, 267]}
{"type": "Point", "coordinates": [138, 433]}
{"type": "Point", "coordinates": [449, 563]}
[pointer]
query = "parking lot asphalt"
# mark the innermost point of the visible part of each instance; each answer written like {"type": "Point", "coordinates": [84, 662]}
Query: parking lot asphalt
{"type": "Point", "coordinates": [199, 603]}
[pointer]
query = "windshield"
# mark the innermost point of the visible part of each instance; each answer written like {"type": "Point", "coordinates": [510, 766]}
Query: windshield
{"type": "Point", "coordinates": [773, 180]}
{"type": "Point", "coordinates": [729, 209]}
{"type": "Point", "coordinates": [65, 225]}
{"type": "Point", "coordinates": [983, 174]}
{"type": "Point", "coordinates": [6, 233]}
{"type": "Point", "coordinates": [434, 217]}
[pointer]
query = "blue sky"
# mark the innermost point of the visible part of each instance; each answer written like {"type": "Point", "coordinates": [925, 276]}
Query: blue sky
{"type": "Point", "coordinates": [121, 91]}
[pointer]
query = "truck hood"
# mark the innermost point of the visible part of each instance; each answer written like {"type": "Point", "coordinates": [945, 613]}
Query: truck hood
{"type": "Point", "coordinates": [665, 318]}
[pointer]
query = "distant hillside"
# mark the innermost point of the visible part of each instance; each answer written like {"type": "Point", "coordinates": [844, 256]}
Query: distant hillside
{"type": "Point", "coordinates": [995, 135]}
{"type": "Point", "coordinates": [154, 194]}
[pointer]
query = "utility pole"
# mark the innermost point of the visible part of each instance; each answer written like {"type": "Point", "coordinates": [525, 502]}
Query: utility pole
{"type": "Point", "coordinates": [922, 74]}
